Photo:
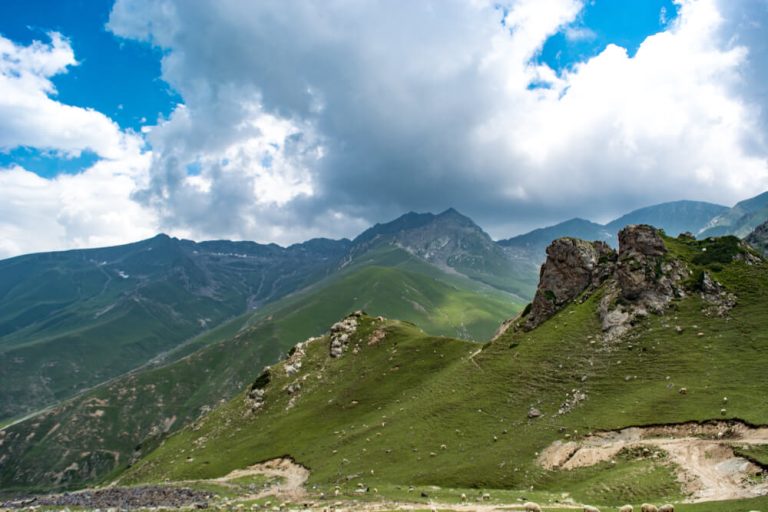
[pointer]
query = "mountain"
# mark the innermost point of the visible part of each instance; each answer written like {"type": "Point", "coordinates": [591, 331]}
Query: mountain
{"type": "Point", "coordinates": [636, 375]}
{"type": "Point", "coordinates": [674, 218]}
{"type": "Point", "coordinates": [103, 430]}
{"type": "Point", "coordinates": [70, 320]}
{"type": "Point", "coordinates": [531, 246]}
{"type": "Point", "coordinates": [740, 220]}
{"type": "Point", "coordinates": [454, 243]}
{"type": "Point", "coordinates": [759, 238]}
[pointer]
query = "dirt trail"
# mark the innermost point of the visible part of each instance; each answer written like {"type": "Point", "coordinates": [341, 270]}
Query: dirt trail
{"type": "Point", "coordinates": [293, 477]}
{"type": "Point", "coordinates": [703, 453]}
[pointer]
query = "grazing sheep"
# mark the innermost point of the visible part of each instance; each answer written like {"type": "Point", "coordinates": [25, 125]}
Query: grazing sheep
{"type": "Point", "coordinates": [627, 508]}
{"type": "Point", "coordinates": [532, 507]}
{"type": "Point", "coordinates": [590, 508]}
{"type": "Point", "coordinates": [647, 507]}
{"type": "Point", "coordinates": [486, 497]}
{"type": "Point", "coordinates": [463, 498]}
{"type": "Point", "coordinates": [667, 508]}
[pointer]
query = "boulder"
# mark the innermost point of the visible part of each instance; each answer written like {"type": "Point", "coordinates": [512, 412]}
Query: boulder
{"type": "Point", "coordinates": [572, 267]}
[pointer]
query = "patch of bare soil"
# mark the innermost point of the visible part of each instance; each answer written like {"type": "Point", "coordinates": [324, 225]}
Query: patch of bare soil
{"type": "Point", "coordinates": [703, 454]}
{"type": "Point", "coordinates": [292, 477]}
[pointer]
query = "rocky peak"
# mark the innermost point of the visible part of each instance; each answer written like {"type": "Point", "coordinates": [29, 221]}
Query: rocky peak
{"type": "Point", "coordinates": [641, 239]}
{"type": "Point", "coordinates": [572, 266]}
{"type": "Point", "coordinates": [641, 257]}
{"type": "Point", "coordinates": [759, 238]}
{"type": "Point", "coordinates": [639, 278]}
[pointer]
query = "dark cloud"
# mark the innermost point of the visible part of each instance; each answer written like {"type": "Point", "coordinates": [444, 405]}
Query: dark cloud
{"type": "Point", "coordinates": [311, 118]}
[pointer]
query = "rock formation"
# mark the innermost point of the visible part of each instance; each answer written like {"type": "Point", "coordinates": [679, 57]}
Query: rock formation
{"type": "Point", "coordinates": [758, 239]}
{"type": "Point", "coordinates": [572, 267]}
{"type": "Point", "coordinates": [640, 278]}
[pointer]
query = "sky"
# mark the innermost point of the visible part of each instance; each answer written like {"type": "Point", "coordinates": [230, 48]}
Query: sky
{"type": "Point", "coordinates": [284, 120]}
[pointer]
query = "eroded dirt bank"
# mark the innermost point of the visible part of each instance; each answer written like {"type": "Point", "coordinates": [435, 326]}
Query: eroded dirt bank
{"type": "Point", "coordinates": [703, 454]}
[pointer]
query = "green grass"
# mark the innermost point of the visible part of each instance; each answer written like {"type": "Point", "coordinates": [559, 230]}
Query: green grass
{"type": "Point", "coordinates": [104, 429]}
{"type": "Point", "coordinates": [383, 415]}
{"type": "Point", "coordinates": [756, 453]}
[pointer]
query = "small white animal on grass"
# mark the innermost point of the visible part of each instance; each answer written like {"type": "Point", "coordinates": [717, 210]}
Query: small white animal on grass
{"type": "Point", "coordinates": [486, 497]}
{"type": "Point", "coordinates": [590, 508]}
{"type": "Point", "coordinates": [647, 507]}
{"type": "Point", "coordinates": [463, 498]}
{"type": "Point", "coordinates": [627, 508]}
{"type": "Point", "coordinates": [532, 507]}
{"type": "Point", "coordinates": [667, 508]}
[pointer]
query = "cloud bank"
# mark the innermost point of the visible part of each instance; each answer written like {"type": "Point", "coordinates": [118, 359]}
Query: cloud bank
{"type": "Point", "coordinates": [392, 106]}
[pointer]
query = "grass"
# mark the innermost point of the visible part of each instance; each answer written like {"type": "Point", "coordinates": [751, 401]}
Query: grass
{"type": "Point", "coordinates": [75, 319]}
{"type": "Point", "coordinates": [105, 429]}
{"type": "Point", "coordinates": [418, 410]}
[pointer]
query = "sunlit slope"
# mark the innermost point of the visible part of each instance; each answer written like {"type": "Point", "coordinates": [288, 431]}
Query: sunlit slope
{"type": "Point", "coordinates": [104, 430]}
{"type": "Point", "coordinates": [410, 409]}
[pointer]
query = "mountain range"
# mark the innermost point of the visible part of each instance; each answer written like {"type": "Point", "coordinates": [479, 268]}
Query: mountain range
{"type": "Point", "coordinates": [635, 375]}
{"type": "Point", "coordinates": [104, 353]}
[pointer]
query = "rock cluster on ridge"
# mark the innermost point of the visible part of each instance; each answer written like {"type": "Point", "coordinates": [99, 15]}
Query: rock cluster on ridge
{"type": "Point", "coordinates": [572, 266]}
{"type": "Point", "coordinates": [639, 278]}
{"type": "Point", "coordinates": [759, 238]}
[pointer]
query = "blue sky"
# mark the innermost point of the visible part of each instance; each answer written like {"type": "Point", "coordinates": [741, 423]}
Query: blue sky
{"type": "Point", "coordinates": [294, 119]}
{"type": "Point", "coordinates": [118, 77]}
{"type": "Point", "coordinates": [625, 23]}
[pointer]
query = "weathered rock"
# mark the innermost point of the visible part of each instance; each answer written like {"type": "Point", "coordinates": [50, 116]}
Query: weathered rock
{"type": "Point", "coordinates": [341, 333]}
{"type": "Point", "coordinates": [572, 267]}
{"type": "Point", "coordinates": [255, 397]}
{"type": "Point", "coordinates": [122, 498]}
{"type": "Point", "coordinates": [758, 239]}
{"type": "Point", "coordinates": [719, 301]}
{"type": "Point", "coordinates": [533, 413]}
{"type": "Point", "coordinates": [646, 280]}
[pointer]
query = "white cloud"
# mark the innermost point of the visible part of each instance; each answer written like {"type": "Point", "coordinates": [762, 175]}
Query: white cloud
{"type": "Point", "coordinates": [29, 116]}
{"type": "Point", "coordinates": [89, 209]}
{"type": "Point", "coordinates": [424, 105]}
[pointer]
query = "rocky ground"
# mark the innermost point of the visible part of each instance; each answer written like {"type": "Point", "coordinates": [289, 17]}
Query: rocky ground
{"type": "Point", "coordinates": [117, 498]}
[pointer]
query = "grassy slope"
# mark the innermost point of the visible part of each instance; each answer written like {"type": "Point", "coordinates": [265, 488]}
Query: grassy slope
{"type": "Point", "coordinates": [74, 319]}
{"type": "Point", "coordinates": [101, 429]}
{"type": "Point", "coordinates": [478, 407]}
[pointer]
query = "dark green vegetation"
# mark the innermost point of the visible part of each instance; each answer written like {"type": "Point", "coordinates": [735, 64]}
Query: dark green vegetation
{"type": "Point", "coordinates": [88, 437]}
{"type": "Point", "coordinates": [401, 408]}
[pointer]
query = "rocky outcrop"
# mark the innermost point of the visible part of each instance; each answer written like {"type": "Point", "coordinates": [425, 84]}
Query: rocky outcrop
{"type": "Point", "coordinates": [341, 333]}
{"type": "Point", "coordinates": [718, 300]}
{"type": "Point", "coordinates": [639, 279]}
{"type": "Point", "coordinates": [572, 267]}
{"type": "Point", "coordinates": [758, 239]}
{"type": "Point", "coordinates": [646, 280]}
{"type": "Point", "coordinates": [254, 399]}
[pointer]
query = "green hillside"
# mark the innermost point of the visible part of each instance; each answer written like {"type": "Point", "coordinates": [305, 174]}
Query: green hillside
{"type": "Point", "coordinates": [104, 430]}
{"type": "Point", "coordinates": [402, 408]}
{"type": "Point", "coordinates": [740, 220]}
{"type": "Point", "coordinates": [71, 320]}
